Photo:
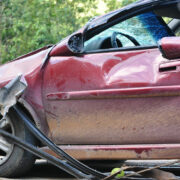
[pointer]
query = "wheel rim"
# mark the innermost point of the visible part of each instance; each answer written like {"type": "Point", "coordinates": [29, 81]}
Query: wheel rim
{"type": "Point", "coordinates": [6, 148]}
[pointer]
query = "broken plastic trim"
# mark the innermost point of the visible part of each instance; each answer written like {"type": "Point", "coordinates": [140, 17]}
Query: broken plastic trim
{"type": "Point", "coordinates": [10, 93]}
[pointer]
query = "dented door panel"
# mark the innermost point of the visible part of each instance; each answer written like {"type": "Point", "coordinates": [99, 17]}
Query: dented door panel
{"type": "Point", "coordinates": [112, 98]}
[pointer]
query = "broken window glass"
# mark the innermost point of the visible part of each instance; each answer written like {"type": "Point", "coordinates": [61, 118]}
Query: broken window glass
{"type": "Point", "coordinates": [147, 29]}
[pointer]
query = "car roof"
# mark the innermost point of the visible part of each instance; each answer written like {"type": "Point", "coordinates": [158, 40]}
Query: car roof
{"type": "Point", "coordinates": [131, 7]}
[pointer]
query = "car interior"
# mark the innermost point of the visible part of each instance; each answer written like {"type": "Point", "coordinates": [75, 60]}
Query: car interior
{"type": "Point", "coordinates": [171, 12]}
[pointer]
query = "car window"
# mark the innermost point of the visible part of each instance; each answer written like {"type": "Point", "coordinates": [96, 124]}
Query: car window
{"type": "Point", "coordinates": [145, 29]}
{"type": "Point", "coordinates": [177, 32]}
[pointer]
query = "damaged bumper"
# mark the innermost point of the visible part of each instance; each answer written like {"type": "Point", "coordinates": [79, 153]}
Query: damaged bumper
{"type": "Point", "coordinates": [10, 93]}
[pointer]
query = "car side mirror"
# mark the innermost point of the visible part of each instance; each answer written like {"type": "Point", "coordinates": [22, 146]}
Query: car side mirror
{"type": "Point", "coordinates": [71, 46]}
{"type": "Point", "coordinates": [170, 47]}
{"type": "Point", "coordinates": [75, 43]}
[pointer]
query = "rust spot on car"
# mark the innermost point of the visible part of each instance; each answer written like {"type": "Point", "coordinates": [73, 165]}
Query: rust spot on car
{"type": "Point", "coordinates": [140, 151]}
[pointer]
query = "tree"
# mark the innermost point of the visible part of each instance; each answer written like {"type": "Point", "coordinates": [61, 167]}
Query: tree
{"type": "Point", "coordinates": [30, 24]}
{"type": "Point", "coordinates": [116, 4]}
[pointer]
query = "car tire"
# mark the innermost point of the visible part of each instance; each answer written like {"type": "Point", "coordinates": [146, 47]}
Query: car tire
{"type": "Point", "coordinates": [14, 161]}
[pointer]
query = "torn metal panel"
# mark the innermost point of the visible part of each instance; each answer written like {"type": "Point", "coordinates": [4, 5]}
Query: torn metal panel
{"type": "Point", "coordinates": [10, 93]}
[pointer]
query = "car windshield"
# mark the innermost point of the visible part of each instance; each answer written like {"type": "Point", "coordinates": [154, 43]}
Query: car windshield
{"type": "Point", "coordinates": [147, 29]}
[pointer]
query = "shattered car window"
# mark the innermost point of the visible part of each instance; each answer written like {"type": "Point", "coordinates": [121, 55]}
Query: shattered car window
{"type": "Point", "coordinates": [146, 28]}
{"type": "Point", "coordinates": [155, 28]}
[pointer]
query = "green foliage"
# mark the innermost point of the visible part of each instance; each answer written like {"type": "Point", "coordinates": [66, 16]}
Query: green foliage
{"type": "Point", "coordinates": [116, 4]}
{"type": "Point", "coordinates": [26, 25]}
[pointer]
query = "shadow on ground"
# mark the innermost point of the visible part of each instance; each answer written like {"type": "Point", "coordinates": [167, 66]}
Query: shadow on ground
{"type": "Point", "coordinates": [43, 170]}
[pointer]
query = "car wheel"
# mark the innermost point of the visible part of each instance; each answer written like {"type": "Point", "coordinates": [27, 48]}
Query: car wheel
{"type": "Point", "coordinates": [15, 161]}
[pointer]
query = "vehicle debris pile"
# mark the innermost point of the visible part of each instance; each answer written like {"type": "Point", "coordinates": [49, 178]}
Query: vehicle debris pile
{"type": "Point", "coordinates": [9, 95]}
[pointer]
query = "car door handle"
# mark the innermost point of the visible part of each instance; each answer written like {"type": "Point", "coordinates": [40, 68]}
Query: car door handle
{"type": "Point", "coordinates": [166, 69]}
{"type": "Point", "coordinates": [170, 66]}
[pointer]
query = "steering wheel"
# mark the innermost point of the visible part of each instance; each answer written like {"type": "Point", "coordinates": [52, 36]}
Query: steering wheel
{"type": "Point", "coordinates": [114, 39]}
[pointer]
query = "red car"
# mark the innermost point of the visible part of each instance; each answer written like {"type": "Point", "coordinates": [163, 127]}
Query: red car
{"type": "Point", "coordinates": [109, 91]}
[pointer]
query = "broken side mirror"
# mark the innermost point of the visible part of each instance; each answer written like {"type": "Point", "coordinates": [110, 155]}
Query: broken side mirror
{"type": "Point", "coordinates": [70, 46]}
{"type": "Point", "coordinates": [170, 47]}
{"type": "Point", "coordinates": [75, 43]}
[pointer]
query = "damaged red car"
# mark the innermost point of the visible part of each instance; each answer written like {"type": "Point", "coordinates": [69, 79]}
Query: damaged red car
{"type": "Point", "coordinates": [110, 91]}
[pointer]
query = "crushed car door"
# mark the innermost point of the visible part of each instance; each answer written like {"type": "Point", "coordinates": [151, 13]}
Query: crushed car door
{"type": "Point", "coordinates": [110, 95]}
